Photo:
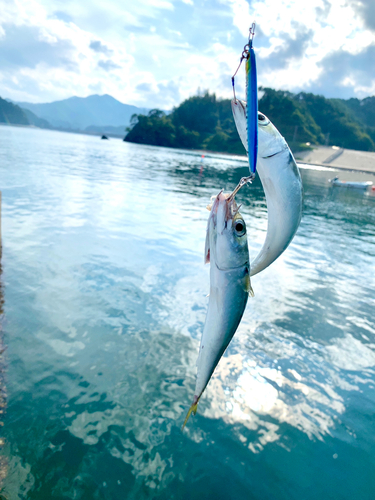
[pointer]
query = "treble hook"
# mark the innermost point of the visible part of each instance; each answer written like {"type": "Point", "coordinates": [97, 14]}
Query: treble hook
{"type": "Point", "coordinates": [241, 184]}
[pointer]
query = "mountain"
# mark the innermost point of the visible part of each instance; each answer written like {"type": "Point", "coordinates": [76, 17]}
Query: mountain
{"type": "Point", "coordinates": [78, 113]}
{"type": "Point", "coordinates": [35, 120]}
{"type": "Point", "coordinates": [12, 114]}
{"type": "Point", "coordinates": [362, 110]}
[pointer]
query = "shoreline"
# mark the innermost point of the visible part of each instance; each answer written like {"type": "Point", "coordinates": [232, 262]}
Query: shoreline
{"type": "Point", "coordinates": [335, 167]}
{"type": "Point", "coordinates": [320, 156]}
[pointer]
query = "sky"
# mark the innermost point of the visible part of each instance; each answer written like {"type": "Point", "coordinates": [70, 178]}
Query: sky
{"type": "Point", "coordinates": [156, 53]}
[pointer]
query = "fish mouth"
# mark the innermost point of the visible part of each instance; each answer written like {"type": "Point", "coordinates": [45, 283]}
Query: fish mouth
{"type": "Point", "coordinates": [221, 219]}
{"type": "Point", "coordinates": [230, 210]}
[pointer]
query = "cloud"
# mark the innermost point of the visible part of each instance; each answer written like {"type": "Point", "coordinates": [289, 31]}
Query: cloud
{"type": "Point", "coordinates": [44, 58]}
{"type": "Point", "coordinates": [144, 87]}
{"type": "Point", "coordinates": [98, 46]}
{"type": "Point", "coordinates": [108, 65]}
{"type": "Point", "coordinates": [322, 11]}
{"type": "Point", "coordinates": [48, 54]}
{"type": "Point", "coordinates": [346, 74]}
{"type": "Point", "coordinates": [292, 48]}
{"type": "Point", "coordinates": [27, 46]}
{"type": "Point", "coordinates": [63, 16]}
{"type": "Point", "coordinates": [366, 10]}
{"type": "Point", "coordinates": [164, 95]}
{"type": "Point", "coordinates": [169, 92]}
{"type": "Point", "coordinates": [300, 42]}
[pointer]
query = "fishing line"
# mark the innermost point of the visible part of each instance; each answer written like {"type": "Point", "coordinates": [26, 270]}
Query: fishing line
{"type": "Point", "coordinates": [252, 108]}
{"type": "Point", "coordinates": [245, 55]}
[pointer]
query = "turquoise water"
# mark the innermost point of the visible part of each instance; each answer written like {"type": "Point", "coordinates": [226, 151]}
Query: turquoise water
{"type": "Point", "coordinates": [104, 301]}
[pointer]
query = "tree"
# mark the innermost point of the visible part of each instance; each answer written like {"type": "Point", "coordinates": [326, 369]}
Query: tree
{"type": "Point", "coordinates": [205, 122]}
{"type": "Point", "coordinates": [155, 129]}
{"type": "Point", "coordinates": [198, 113]}
{"type": "Point", "coordinates": [11, 113]}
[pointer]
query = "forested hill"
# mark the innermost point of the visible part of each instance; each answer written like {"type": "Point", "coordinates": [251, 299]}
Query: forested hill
{"type": "Point", "coordinates": [12, 114]}
{"type": "Point", "coordinates": [205, 122]}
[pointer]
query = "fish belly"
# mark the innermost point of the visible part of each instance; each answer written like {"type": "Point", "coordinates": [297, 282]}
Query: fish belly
{"type": "Point", "coordinates": [283, 189]}
{"type": "Point", "coordinates": [228, 298]}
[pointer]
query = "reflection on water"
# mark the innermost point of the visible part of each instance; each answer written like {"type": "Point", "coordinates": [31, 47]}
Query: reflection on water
{"type": "Point", "coordinates": [106, 294]}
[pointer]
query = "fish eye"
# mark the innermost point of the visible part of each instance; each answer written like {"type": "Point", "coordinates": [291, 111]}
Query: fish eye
{"type": "Point", "coordinates": [262, 119]}
{"type": "Point", "coordinates": [240, 227]}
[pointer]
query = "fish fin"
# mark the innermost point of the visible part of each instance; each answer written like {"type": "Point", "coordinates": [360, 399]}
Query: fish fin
{"type": "Point", "coordinates": [248, 287]}
{"type": "Point", "coordinates": [192, 410]}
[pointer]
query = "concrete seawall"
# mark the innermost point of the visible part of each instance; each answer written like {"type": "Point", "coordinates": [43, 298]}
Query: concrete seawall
{"type": "Point", "coordinates": [344, 159]}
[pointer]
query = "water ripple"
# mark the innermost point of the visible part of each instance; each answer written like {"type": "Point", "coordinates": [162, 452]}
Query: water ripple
{"type": "Point", "coordinates": [105, 300]}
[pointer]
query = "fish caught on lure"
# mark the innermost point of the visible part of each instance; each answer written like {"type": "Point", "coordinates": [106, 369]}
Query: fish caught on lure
{"type": "Point", "coordinates": [227, 252]}
{"type": "Point", "coordinates": [282, 184]}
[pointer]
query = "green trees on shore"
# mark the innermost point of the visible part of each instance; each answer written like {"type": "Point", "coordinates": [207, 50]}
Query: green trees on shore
{"type": "Point", "coordinates": [12, 114]}
{"type": "Point", "coordinates": [200, 122]}
{"type": "Point", "coordinates": [205, 122]}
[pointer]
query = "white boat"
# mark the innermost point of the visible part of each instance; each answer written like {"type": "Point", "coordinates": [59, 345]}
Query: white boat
{"type": "Point", "coordinates": [350, 184]}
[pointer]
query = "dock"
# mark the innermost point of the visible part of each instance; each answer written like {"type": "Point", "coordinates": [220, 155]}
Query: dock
{"type": "Point", "coordinates": [343, 159]}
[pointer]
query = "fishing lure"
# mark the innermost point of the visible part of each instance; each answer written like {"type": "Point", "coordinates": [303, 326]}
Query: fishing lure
{"type": "Point", "coordinates": [252, 100]}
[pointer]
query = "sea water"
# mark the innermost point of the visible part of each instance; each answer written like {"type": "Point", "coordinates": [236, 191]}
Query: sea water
{"type": "Point", "coordinates": [105, 295]}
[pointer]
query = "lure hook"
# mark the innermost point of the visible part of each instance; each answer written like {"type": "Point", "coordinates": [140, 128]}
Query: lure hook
{"type": "Point", "coordinates": [241, 184]}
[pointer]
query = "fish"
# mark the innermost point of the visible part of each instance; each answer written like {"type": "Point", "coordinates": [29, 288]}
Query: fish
{"type": "Point", "coordinates": [226, 249]}
{"type": "Point", "coordinates": [282, 184]}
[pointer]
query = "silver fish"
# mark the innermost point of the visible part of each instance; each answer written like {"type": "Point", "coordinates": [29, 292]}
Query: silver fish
{"type": "Point", "coordinates": [227, 251]}
{"type": "Point", "coordinates": [282, 184]}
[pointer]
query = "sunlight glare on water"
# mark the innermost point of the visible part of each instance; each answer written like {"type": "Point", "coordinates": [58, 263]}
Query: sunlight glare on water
{"type": "Point", "coordinates": [105, 295]}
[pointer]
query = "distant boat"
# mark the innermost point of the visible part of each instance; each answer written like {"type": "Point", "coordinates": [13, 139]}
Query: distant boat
{"type": "Point", "coordinates": [104, 137]}
{"type": "Point", "coordinates": [350, 184]}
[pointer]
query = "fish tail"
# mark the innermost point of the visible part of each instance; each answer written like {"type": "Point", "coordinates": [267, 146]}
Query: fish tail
{"type": "Point", "coordinates": [192, 410]}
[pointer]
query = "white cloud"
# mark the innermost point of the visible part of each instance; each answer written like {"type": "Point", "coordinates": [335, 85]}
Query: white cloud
{"type": "Point", "coordinates": [57, 56]}
{"type": "Point", "coordinates": [335, 26]}
{"type": "Point", "coordinates": [69, 48]}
